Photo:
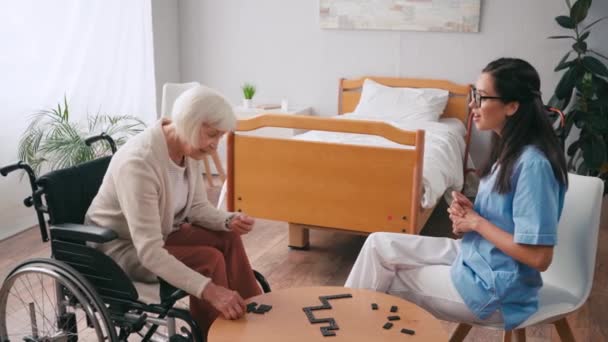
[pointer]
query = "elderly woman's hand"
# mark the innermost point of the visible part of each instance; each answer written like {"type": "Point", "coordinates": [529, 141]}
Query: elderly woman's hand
{"type": "Point", "coordinates": [241, 224]}
{"type": "Point", "coordinates": [229, 303]}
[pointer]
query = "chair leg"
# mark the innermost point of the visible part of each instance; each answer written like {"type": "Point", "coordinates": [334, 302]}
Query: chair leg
{"type": "Point", "coordinates": [208, 174]}
{"type": "Point", "coordinates": [461, 331]}
{"type": "Point", "coordinates": [563, 330]}
{"type": "Point", "coordinates": [517, 335]}
{"type": "Point", "coordinates": [520, 335]}
{"type": "Point", "coordinates": [223, 193]}
{"type": "Point", "coordinates": [218, 165]}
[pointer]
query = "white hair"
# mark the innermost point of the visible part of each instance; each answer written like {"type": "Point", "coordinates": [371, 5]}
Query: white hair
{"type": "Point", "coordinates": [201, 105]}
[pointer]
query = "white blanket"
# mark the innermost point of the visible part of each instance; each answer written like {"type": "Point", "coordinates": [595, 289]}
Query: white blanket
{"type": "Point", "coordinates": [443, 151]}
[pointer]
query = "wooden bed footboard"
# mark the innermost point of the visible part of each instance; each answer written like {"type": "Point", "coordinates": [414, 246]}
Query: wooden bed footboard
{"type": "Point", "coordinates": [348, 187]}
{"type": "Point", "coordinates": [359, 189]}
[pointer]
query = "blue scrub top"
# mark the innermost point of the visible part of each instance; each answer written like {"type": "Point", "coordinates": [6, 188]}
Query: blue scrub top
{"type": "Point", "coordinates": [488, 279]}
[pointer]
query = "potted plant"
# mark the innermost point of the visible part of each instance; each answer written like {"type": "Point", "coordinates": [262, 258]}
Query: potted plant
{"type": "Point", "coordinates": [51, 141]}
{"type": "Point", "coordinates": [582, 93]}
{"type": "Point", "coordinates": [248, 92]}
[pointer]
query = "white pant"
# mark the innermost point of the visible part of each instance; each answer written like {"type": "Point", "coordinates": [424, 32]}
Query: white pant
{"type": "Point", "coordinates": [416, 268]}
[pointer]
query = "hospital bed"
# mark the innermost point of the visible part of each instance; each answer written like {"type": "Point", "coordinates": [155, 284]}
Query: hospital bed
{"type": "Point", "coordinates": [321, 180]}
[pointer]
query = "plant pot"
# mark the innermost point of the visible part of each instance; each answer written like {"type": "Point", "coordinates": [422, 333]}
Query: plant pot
{"type": "Point", "coordinates": [247, 104]}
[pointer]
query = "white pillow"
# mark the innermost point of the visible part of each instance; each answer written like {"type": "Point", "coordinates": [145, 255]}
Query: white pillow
{"type": "Point", "coordinates": [388, 103]}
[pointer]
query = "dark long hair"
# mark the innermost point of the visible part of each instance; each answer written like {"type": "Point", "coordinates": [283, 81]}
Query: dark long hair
{"type": "Point", "coordinates": [517, 80]}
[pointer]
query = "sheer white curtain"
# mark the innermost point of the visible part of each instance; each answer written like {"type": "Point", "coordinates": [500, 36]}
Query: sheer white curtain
{"type": "Point", "coordinates": [98, 53]}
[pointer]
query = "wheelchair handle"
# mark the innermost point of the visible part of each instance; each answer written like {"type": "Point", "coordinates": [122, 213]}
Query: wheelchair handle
{"type": "Point", "coordinates": [103, 136]}
{"type": "Point", "coordinates": [10, 168]}
{"type": "Point", "coordinates": [20, 165]}
{"type": "Point", "coordinates": [35, 199]}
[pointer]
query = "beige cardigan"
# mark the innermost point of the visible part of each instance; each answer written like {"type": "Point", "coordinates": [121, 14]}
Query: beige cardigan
{"type": "Point", "coordinates": [136, 201]}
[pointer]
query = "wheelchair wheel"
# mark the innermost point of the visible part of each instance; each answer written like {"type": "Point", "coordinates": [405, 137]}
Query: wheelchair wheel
{"type": "Point", "coordinates": [47, 300]}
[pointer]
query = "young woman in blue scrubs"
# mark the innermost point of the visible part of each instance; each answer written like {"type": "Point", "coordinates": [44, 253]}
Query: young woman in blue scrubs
{"type": "Point", "coordinates": [492, 274]}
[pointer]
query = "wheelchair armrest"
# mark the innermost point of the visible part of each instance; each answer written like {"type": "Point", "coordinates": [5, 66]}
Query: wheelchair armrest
{"type": "Point", "coordinates": [80, 232]}
{"type": "Point", "coordinates": [170, 294]}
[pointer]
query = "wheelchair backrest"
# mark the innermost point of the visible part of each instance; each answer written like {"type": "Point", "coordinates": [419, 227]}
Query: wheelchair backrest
{"type": "Point", "coordinates": [70, 191]}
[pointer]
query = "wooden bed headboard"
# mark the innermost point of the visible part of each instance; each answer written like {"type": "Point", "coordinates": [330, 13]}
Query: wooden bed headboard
{"type": "Point", "coordinates": [457, 107]}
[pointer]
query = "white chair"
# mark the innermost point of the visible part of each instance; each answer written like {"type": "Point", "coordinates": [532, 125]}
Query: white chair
{"type": "Point", "coordinates": [223, 193]}
{"type": "Point", "coordinates": [568, 281]}
{"type": "Point", "coordinates": [171, 91]}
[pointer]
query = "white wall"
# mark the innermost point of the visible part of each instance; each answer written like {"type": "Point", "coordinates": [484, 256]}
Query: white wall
{"type": "Point", "coordinates": [165, 24]}
{"type": "Point", "coordinates": [279, 46]}
{"type": "Point", "coordinates": [73, 57]}
{"type": "Point", "coordinates": [598, 40]}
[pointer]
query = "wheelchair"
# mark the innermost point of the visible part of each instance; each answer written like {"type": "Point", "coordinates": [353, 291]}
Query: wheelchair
{"type": "Point", "coordinates": [79, 293]}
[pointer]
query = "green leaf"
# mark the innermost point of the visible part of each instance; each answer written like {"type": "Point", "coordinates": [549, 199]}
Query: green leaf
{"type": "Point", "coordinates": [65, 110]}
{"type": "Point", "coordinates": [556, 103]}
{"type": "Point", "coordinates": [567, 100]}
{"type": "Point", "coordinates": [562, 61]}
{"type": "Point", "coordinates": [561, 37]}
{"type": "Point", "coordinates": [593, 23]}
{"type": "Point", "coordinates": [595, 66]}
{"type": "Point", "coordinates": [566, 84]}
{"type": "Point", "coordinates": [564, 66]}
{"type": "Point", "coordinates": [584, 36]}
{"type": "Point", "coordinates": [597, 121]}
{"type": "Point", "coordinates": [585, 87]}
{"type": "Point", "coordinates": [573, 161]}
{"type": "Point", "coordinates": [579, 10]}
{"type": "Point", "coordinates": [598, 85]}
{"type": "Point", "coordinates": [579, 122]}
{"type": "Point", "coordinates": [594, 151]}
{"type": "Point", "coordinates": [573, 148]}
{"type": "Point", "coordinates": [580, 47]}
{"type": "Point", "coordinates": [595, 107]}
{"type": "Point", "coordinates": [565, 22]}
{"type": "Point", "coordinates": [570, 119]}
{"type": "Point", "coordinates": [582, 169]}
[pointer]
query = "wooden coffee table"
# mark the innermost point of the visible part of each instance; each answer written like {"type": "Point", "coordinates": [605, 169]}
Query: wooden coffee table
{"type": "Point", "coordinates": [355, 317]}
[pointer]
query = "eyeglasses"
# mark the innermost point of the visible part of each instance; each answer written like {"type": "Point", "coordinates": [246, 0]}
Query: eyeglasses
{"type": "Point", "coordinates": [477, 97]}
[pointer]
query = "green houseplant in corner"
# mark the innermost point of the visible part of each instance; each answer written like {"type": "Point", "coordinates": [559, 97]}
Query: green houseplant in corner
{"type": "Point", "coordinates": [582, 93]}
{"type": "Point", "coordinates": [248, 92]}
{"type": "Point", "coordinates": [51, 141]}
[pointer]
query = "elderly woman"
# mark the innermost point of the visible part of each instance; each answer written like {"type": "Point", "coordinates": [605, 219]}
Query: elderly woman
{"type": "Point", "coordinates": [153, 196]}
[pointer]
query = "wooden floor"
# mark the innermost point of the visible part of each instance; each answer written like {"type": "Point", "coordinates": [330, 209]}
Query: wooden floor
{"type": "Point", "coordinates": [331, 256]}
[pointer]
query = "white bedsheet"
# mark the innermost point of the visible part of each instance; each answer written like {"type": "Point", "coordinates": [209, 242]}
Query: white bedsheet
{"type": "Point", "coordinates": [443, 151]}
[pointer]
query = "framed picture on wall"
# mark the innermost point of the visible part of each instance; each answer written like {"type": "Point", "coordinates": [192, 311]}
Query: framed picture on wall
{"type": "Point", "coordinates": [407, 15]}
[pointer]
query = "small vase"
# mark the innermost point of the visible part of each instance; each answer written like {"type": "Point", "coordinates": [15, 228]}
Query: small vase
{"type": "Point", "coordinates": [247, 104]}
